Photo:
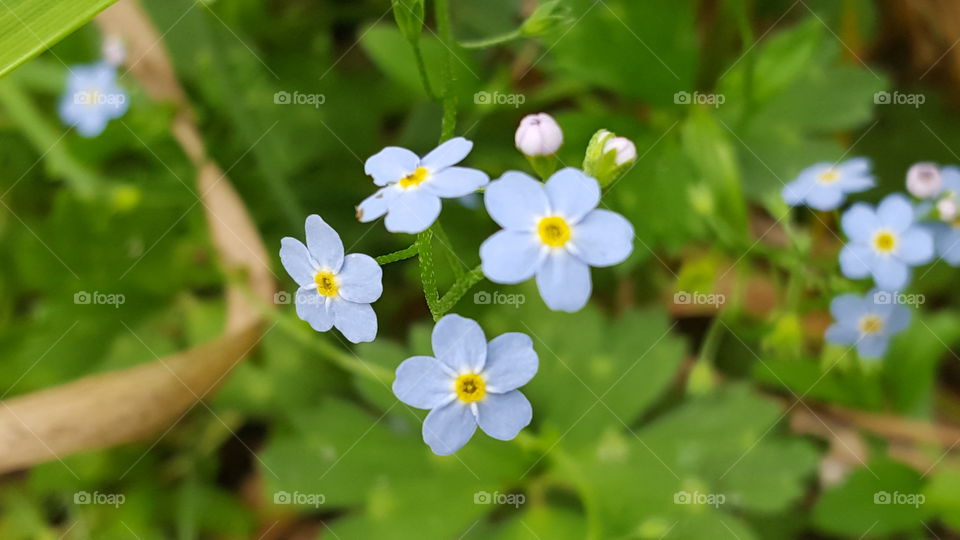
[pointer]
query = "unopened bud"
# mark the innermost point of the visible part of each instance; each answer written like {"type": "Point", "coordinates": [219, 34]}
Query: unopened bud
{"type": "Point", "coordinates": [923, 180]}
{"type": "Point", "coordinates": [538, 135]}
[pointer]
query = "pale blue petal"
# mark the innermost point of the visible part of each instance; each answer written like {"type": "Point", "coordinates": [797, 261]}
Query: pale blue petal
{"type": "Point", "coordinates": [357, 322]}
{"type": "Point", "coordinates": [795, 193]}
{"type": "Point", "coordinates": [516, 201]}
{"type": "Point", "coordinates": [502, 416]}
{"type": "Point", "coordinates": [511, 362]}
{"type": "Point", "coordinates": [390, 165]}
{"type": "Point", "coordinates": [895, 212]}
{"type": "Point", "coordinates": [858, 166]}
{"type": "Point", "coordinates": [360, 279]}
{"type": "Point", "coordinates": [948, 244]}
{"type": "Point", "coordinates": [447, 154]}
{"type": "Point", "coordinates": [510, 257]}
{"type": "Point", "coordinates": [824, 197]}
{"type": "Point", "coordinates": [459, 343]}
{"type": "Point", "coordinates": [296, 261]}
{"type": "Point", "coordinates": [916, 246]}
{"type": "Point", "coordinates": [603, 238]}
{"type": "Point", "coordinates": [564, 282]}
{"type": "Point", "coordinates": [847, 307]}
{"type": "Point", "coordinates": [950, 177]}
{"type": "Point", "coordinates": [860, 223]}
{"type": "Point", "coordinates": [412, 211]}
{"type": "Point", "coordinates": [855, 183]}
{"type": "Point", "coordinates": [572, 194]}
{"type": "Point", "coordinates": [891, 274]}
{"type": "Point", "coordinates": [839, 334]}
{"type": "Point", "coordinates": [314, 308]}
{"type": "Point", "coordinates": [91, 124]}
{"type": "Point", "coordinates": [898, 319]}
{"type": "Point", "coordinates": [873, 346]}
{"type": "Point", "coordinates": [446, 429]}
{"type": "Point", "coordinates": [377, 204]}
{"type": "Point", "coordinates": [456, 182]}
{"type": "Point", "coordinates": [324, 244]}
{"type": "Point", "coordinates": [857, 260]}
{"type": "Point", "coordinates": [423, 382]}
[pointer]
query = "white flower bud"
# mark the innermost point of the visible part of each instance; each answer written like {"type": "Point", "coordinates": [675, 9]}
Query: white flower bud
{"type": "Point", "coordinates": [113, 50]}
{"type": "Point", "coordinates": [947, 208]}
{"type": "Point", "coordinates": [923, 180]}
{"type": "Point", "coordinates": [538, 135]}
{"type": "Point", "coordinates": [624, 147]}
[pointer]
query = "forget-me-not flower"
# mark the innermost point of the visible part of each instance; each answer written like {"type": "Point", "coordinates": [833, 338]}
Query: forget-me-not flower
{"type": "Point", "coordinates": [92, 98]}
{"type": "Point", "coordinates": [412, 187]}
{"type": "Point", "coordinates": [867, 321]}
{"type": "Point", "coordinates": [824, 186]}
{"type": "Point", "coordinates": [469, 382]}
{"type": "Point", "coordinates": [335, 290]}
{"type": "Point", "coordinates": [553, 231]}
{"type": "Point", "coordinates": [946, 230]}
{"type": "Point", "coordinates": [884, 242]}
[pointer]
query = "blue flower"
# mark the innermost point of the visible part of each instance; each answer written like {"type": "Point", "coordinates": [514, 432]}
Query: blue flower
{"type": "Point", "coordinates": [825, 186]}
{"type": "Point", "coordinates": [884, 243]}
{"type": "Point", "coordinates": [412, 187]}
{"type": "Point", "coordinates": [867, 321]}
{"type": "Point", "coordinates": [334, 290]}
{"type": "Point", "coordinates": [92, 99]}
{"type": "Point", "coordinates": [553, 231]}
{"type": "Point", "coordinates": [946, 231]}
{"type": "Point", "coordinates": [469, 382]}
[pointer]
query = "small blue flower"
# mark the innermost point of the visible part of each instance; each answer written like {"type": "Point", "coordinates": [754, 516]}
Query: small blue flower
{"type": "Point", "coordinates": [825, 186]}
{"type": "Point", "coordinates": [412, 187]}
{"type": "Point", "coordinates": [469, 382]}
{"type": "Point", "coordinates": [946, 231]}
{"type": "Point", "coordinates": [553, 231]}
{"type": "Point", "coordinates": [867, 321]}
{"type": "Point", "coordinates": [92, 98]}
{"type": "Point", "coordinates": [884, 242]}
{"type": "Point", "coordinates": [334, 290]}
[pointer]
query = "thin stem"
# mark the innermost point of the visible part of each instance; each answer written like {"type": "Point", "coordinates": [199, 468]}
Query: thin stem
{"type": "Point", "coordinates": [459, 288]}
{"type": "Point", "coordinates": [491, 41]}
{"type": "Point", "coordinates": [428, 276]}
{"type": "Point", "coordinates": [422, 68]}
{"type": "Point", "coordinates": [449, 124]}
{"type": "Point", "coordinates": [405, 253]}
{"type": "Point", "coordinates": [448, 253]}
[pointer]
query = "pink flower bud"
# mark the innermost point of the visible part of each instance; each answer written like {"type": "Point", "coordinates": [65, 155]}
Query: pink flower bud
{"type": "Point", "coordinates": [626, 151]}
{"type": "Point", "coordinates": [538, 135]}
{"type": "Point", "coordinates": [923, 180]}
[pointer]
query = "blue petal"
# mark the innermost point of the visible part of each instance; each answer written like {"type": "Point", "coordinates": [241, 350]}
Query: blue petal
{"type": "Point", "coordinates": [916, 246]}
{"type": "Point", "coordinates": [510, 257]}
{"type": "Point", "coordinates": [857, 261]}
{"type": "Point", "coordinates": [324, 244]}
{"type": "Point", "coordinates": [847, 307]}
{"type": "Point", "coordinates": [446, 429]}
{"type": "Point", "coordinates": [357, 322]}
{"type": "Point", "coordinates": [898, 319]}
{"type": "Point", "coordinates": [91, 124]}
{"type": "Point", "coordinates": [895, 212]}
{"type": "Point", "coordinates": [948, 244]}
{"type": "Point", "coordinates": [447, 154]}
{"type": "Point", "coordinates": [795, 193]}
{"type": "Point", "coordinates": [502, 416]}
{"type": "Point", "coordinates": [511, 362]}
{"type": "Point", "coordinates": [456, 182]}
{"type": "Point", "coordinates": [390, 165]}
{"type": "Point", "coordinates": [360, 279]}
{"type": "Point", "coordinates": [516, 201]}
{"type": "Point", "coordinates": [860, 223]}
{"type": "Point", "coordinates": [423, 382]}
{"type": "Point", "coordinates": [891, 274]}
{"type": "Point", "coordinates": [412, 211]}
{"type": "Point", "coordinates": [296, 261]}
{"type": "Point", "coordinates": [824, 198]}
{"type": "Point", "coordinates": [841, 335]}
{"type": "Point", "coordinates": [377, 204]}
{"type": "Point", "coordinates": [858, 166]}
{"type": "Point", "coordinates": [873, 346]}
{"type": "Point", "coordinates": [950, 177]}
{"type": "Point", "coordinates": [603, 238]}
{"type": "Point", "coordinates": [572, 193]}
{"type": "Point", "coordinates": [314, 309]}
{"type": "Point", "coordinates": [459, 343]}
{"type": "Point", "coordinates": [564, 282]}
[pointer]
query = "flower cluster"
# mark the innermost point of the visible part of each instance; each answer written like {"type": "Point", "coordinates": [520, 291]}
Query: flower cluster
{"type": "Point", "coordinates": [552, 230]}
{"type": "Point", "coordinates": [92, 96]}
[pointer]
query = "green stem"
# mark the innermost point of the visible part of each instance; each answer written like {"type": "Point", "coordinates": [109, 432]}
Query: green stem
{"type": "Point", "coordinates": [449, 124]}
{"type": "Point", "coordinates": [422, 68]}
{"type": "Point", "coordinates": [455, 263]}
{"type": "Point", "coordinates": [428, 276]}
{"type": "Point", "coordinates": [459, 288]}
{"type": "Point", "coordinates": [491, 41]}
{"type": "Point", "coordinates": [403, 254]}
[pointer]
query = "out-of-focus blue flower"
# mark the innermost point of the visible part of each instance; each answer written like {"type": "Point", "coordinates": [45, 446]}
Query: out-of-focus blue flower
{"type": "Point", "coordinates": [92, 98]}
{"type": "Point", "coordinates": [946, 229]}
{"type": "Point", "coordinates": [825, 186]}
{"type": "Point", "coordinates": [884, 242]}
{"type": "Point", "coordinates": [866, 321]}
{"type": "Point", "coordinates": [469, 382]}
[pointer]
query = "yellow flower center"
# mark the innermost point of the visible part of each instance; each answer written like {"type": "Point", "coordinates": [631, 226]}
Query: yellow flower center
{"type": "Point", "coordinates": [415, 178]}
{"type": "Point", "coordinates": [828, 176]}
{"type": "Point", "coordinates": [884, 241]}
{"type": "Point", "coordinates": [870, 324]}
{"type": "Point", "coordinates": [553, 231]}
{"type": "Point", "coordinates": [326, 283]}
{"type": "Point", "coordinates": [470, 387]}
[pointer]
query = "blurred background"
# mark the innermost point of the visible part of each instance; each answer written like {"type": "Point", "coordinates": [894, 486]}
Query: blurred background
{"type": "Point", "coordinates": [653, 416]}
